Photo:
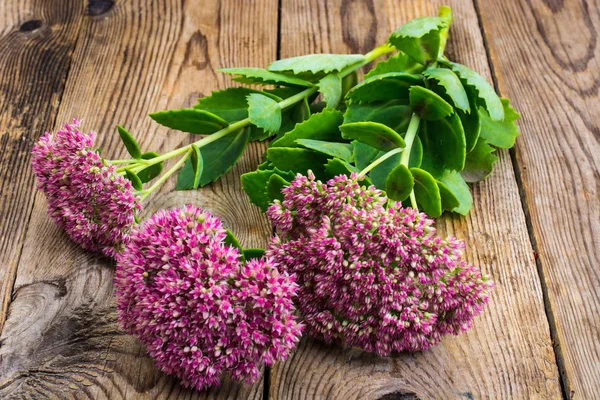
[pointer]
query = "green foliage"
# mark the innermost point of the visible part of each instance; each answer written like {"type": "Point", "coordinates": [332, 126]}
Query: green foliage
{"type": "Point", "coordinates": [500, 133]}
{"type": "Point", "coordinates": [374, 134]}
{"type": "Point", "coordinates": [320, 126]}
{"type": "Point", "coordinates": [316, 63]}
{"type": "Point", "coordinates": [419, 38]}
{"type": "Point", "coordinates": [260, 76]}
{"type": "Point", "coordinates": [448, 198]}
{"type": "Point", "coordinates": [251, 254]}
{"type": "Point", "coordinates": [399, 183]}
{"type": "Point", "coordinates": [342, 151]}
{"type": "Point", "coordinates": [134, 179]}
{"type": "Point", "coordinates": [298, 160]}
{"type": "Point", "coordinates": [363, 154]}
{"type": "Point", "coordinates": [429, 105]}
{"type": "Point", "coordinates": [274, 186]}
{"type": "Point", "coordinates": [479, 162]}
{"type": "Point", "coordinates": [484, 90]}
{"type": "Point", "coordinates": [389, 86]}
{"type": "Point", "coordinates": [380, 173]}
{"type": "Point", "coordinates": [264, 112]}
{"type": "Point", "coordinates": [452, 85]}
{"type": "Point", "coordinates": [399, 62]}
{"type": "Point", "coordinates": [444, 141]}
{"type": "Point", "coordinates": [393, 113]}
{"type": "Point", "coordinates": [255, 185]}
{"type": "Point", "coordinates": [190, 120]}
{"type": "Point", "coordinates": [331, 87]}
{"type": "Point", "coordinates": [232, 241]}
{"type": "Point", "coordinates": [459, 188]}
{"type": "Point", "coordinates": [470, 121]}
{"type": "Point", "coordinates": [189, 176]}
{"type": "Point", "coordinates": [219, 156]}
{"type": "Point", "coordinates": [427, 192]}
{"type": "Point", "coordinates": [130, 143]}
{"type": "Point", "coordinates": [230, 104]}
{"type": "Point", "coordinates": [147, 174]}
{"type": "Point", "coordinates": [336, 166]}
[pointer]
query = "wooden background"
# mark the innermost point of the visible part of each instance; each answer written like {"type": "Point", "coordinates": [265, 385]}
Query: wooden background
{"type": "Point", "coordinates": [535, 226]}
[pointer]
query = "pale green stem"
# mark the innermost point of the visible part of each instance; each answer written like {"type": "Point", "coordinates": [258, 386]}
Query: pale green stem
{"type": "Point", "coordinates": [130, 161]}
{"type": "Point", "coordinates": [375, 163]}
{"type": "Point", "coordinates": [409, 139]}
{"type": "Point", "coordinates": [166, 175]}
{"type": "Point", "coordinates": [445, 13]}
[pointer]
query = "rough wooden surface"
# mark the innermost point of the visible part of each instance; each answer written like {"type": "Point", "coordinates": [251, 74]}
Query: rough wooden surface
{"type": "Point", "coordinates": [508, 354]}
{"type": "Point", "coordinates": [61, 338]}
{"type": "Point", "coordinates": [550, 66]}
{"type": "Point", "coordinates": [115, 61]}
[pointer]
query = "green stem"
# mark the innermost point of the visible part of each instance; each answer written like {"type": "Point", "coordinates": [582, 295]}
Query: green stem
{"type": "Point", "coordinates": [166, 175]}
{"type": "Point", "coordinates": [409, 139]}
{"type": "Point", "coordinates": [129, 161]}
{"type": "Point", "coordinates": [375, 163]}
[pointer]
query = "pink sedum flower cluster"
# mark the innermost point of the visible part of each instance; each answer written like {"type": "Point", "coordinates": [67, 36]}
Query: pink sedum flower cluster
{"type": "Point", "coordinates": [372, 276]}
{"type": "Point", "coordinates": [200, 310]}
{"type": "Point", "coordinates": [94, 205]}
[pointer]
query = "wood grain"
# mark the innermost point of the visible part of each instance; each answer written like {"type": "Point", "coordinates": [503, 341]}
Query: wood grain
{"type": "Point", "coordinates": [61, 338]}
{"type": "Point", "coordinates": [36, 45]}
{"type": "Point", "coordinates": [509, 352]}
{"type": "Point", "coordinates": [549, 65]}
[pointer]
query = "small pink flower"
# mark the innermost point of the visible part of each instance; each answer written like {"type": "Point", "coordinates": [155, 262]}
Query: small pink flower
{"type": "Point", "coordinates": [372, 276]}
{"type": "Point", "coordinates": [94, 205]}
{"type": "Point", "coordinates": [200, 310]}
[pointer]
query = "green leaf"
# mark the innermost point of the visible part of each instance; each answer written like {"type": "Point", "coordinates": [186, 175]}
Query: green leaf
{"type": "Point", "coordinates": [449, 200]}
{"type": "Point", "coordinates": [264, 112]}
{"type": "Point", "coordinates": [331, 88]}
{"type": "Point", "coordinates": [374, 134]}
{"type": "Point", "coordinates": [348, 82]}
{"type": "Point", "coordinates": [470, 121]}
{"type": "Point", "coordinates": [339, 150]}
{"type": "Point", "coordinates": [363, 154]}
{"type": "Point", "coordinates": [416, 154]}
{"type": "Point", "coordinates": [220, 155]}
{"type": "Point", "coordinates": [399, 62]}
{"type": "Point", "coordinates": [191, 172]}
{"type": "Point", "coordinates": [459, 188]}
{"type": "Point", "coordinates": [230, 104]}
{"type": "Point", "coordinates": [274, 186]}
{"type": "Point", "coordinates": [130, 143]}
{"type": "Point", "coordinates": [399, 183]}
{"type": "Point", "coordinates": [451, 83]}
{"type": "Point", "coordinates": [232, 241]}
{"type": "Point", "coordinates": [255, 185]}
{"type": "Point", "coordinates": [147, 174]}
{"type": "Point", "coordinates": [320, 126]}
{"type": "Point", "coordinates": [134, 179]}
{"type": "Point", "coordinates": [389, 86]}
{"type": "Point", "coordinates": [251, 254]}
{"type": "Point", "coordinates": [484, 90]}
{"type": "Point", "coordinates": [335, 167]}
{"type": "Point", "coordinates": [500, 133]}
{"type": "Point", "coordinates": [316, 63]}
{"type": "Point", "coordinates": [297, 160]}
{"type": "Point", "coordinates": [197, 164]}
{"type": "Point", "coordinates": [479, 163]}
{"type": "Point", "coordinates": [380, 173]}
{"type": "Point", "coordinates": [444, 140]}
{"type": "Point", "coordinates": [427, 192]}
{"type": "Point", "coordinates": [190, 120]}
{"type": "Point", "coordinates": [428, 104]}
{"type": "Point", "coordinates": [419, 38]}
{"type": "Point", "coordinates": [260, 76]}
{"type": "Point", "coordinates": [393, 113]}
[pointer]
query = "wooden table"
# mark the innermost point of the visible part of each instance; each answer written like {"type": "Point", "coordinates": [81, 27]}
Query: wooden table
{"type": "Point", "coordinates": [535, 225]}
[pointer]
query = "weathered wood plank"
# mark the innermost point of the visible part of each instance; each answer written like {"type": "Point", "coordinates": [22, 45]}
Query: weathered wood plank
{"type": "Point", "coordinates": [61, 338]}
{"type": "Point", "coordinates": [549, 66]}
{"type": "Point", "coordinates": [509, 353]}
{"type": "Point", "coordinates": [36, 45]}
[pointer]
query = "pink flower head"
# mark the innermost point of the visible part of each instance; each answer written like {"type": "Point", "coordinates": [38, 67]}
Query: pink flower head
{"type": "Point", "coordinates": [199, 309]}
{"type": "Point", "coordinates": [94, 205]}
{"type": "Point", "coordinates": [370, 276]}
